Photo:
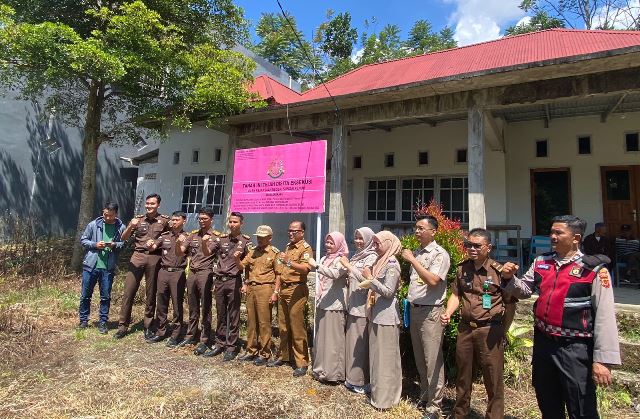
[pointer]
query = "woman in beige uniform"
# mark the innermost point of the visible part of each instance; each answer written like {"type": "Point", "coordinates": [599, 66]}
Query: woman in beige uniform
{"type": "Point", "coordinates": [357, 337]}
{"type": "Point", "coordinates": [331, 305]}
{"type": "Point", "coordinates": [384, 321]}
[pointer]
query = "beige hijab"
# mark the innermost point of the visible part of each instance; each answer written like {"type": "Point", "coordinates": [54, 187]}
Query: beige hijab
{"type": "Point", "coordinates": [390, 245]}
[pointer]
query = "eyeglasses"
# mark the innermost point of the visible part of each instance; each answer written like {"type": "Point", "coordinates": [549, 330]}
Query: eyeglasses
{"type": "Point", "coordinates": [469, 245]}
{"type": "Point", "coordinates": [295, 231]}
{"type": "Point", "coordinates": [420, 228]}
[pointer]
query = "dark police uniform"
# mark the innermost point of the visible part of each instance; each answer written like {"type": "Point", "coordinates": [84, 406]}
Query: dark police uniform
{"type": "Point", "coordinates": [575, 326]}
{"type": "Point", "coordinates": [480, 334]}
{"type": "Point", "coordinates": [143, 262]}
{"type": "Point", "coordinates": [171, 284]}
{"type": "Point", "coordinates": [227, 284]}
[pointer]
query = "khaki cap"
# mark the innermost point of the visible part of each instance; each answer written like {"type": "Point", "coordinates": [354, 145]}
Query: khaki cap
{"type": "Point", "coordinates": [264, 231]}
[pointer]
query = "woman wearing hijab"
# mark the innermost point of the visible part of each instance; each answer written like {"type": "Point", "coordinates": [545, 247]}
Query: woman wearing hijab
{"type": "Point", "coordinates": [357, 338]}
{"type": "Point", "coordinates": [331, 304]}
{"type": "Point", "coordinates": [384, 321]}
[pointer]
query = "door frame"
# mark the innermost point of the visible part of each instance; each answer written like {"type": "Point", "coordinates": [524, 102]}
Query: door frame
{"type": "Point", "coordinates": [634, 186]}
{"type": "Point", "coordinates": [532, 172]}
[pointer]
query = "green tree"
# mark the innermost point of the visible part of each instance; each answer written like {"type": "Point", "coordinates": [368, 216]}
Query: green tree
{"type": "Point", "coordinates": [336, 36]}
{"type": "Point", "coordinates": [589, 14]}
{"type": "Point", "coordinates": [124, 70]}
{"type": "Point", "coordinates": [382, 46]}
{"type": "Point", "coordinates": [539, 21]}
{"type": "Point", "coordinates": [423, 39]}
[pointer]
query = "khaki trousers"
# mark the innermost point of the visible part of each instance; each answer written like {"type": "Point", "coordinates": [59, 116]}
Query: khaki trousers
{"type": "Point", "coordinates": [293, 333]}
{"type": "Point", "coordinates": [426, 338]}
{"type": "Point", "coordinates": [483, 346]}
{"type": "Point", "coordinates": [141, 265]}
{"type": "Point", "coordinates": [259, 320]}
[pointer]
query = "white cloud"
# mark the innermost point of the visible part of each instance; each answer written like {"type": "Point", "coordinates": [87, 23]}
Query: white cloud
{"type": "Point", "coordinates": [482, 20]}
{"type": "Point", "coordinates": [619, 18]}
{"type": "Point", "coordinates": [356, 55]}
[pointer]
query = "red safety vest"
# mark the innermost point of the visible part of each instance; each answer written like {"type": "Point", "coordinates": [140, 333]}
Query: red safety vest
{"type": "Point", "coordinates": [564, 305]}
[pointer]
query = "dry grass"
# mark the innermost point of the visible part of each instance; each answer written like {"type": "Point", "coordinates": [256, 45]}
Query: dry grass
{"type": "Point", "coordinates": [49, 369]}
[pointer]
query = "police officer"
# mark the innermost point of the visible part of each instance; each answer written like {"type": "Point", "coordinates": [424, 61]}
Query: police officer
{"type": "Point", "coordinates": [427, 292]}
{"type": "Point", "coordinates": [293, 292]}
{"type": "Point", "coordinates": [145, 261]}
{"type": "Point", "coordinates": [171, 281]}
{"type": "Point", "coordinates": [575, 338]}
{"type": "Point", "coordinates": [482, 326]}
{"type": "Point", "coordinates": [260, 265]}
{"type": "Point", "coordinates": [227, 284]}
{"type": "Point", "coordinates": [200, 280]}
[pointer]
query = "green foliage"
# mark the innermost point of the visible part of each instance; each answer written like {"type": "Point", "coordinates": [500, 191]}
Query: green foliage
{"type": "Point", "coordinates": [539, 21]}
{"type": "Point", "coordinates": [588, 14]}
{"type": "Point", "coordinates": [609, 398]}
{"type": "Point", "coordinates": [336, 36]}
{"type": "Point", "coordinates": [422, 39]}
{"type": "Point", "coordinates": [516, 353]}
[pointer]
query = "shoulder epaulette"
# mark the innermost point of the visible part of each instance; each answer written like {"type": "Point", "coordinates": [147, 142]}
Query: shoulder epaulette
{"type": "Point", "coordinates": [593, 261]}
{"type": "Point", "coordinates": [195, 231]}
{"type": "Point", "coordinates": [306, 245]}
{"type": "Point", "coordinates": [140, 216]}
{"type": "Point", "coordinates": [497, 266]}
{"type": "Point", "coordinates": [224, 235]}
{"type": "Point", "coordinates": [216, 232]}
{"type": "Point", "coordinates": [250, 246]}
{"type": "Point", "coordinates": [463, 262]}
{"type": "Point", "coordinates": [246, 236]}
{"type": "Point", "coordinates": [165, 216]}
{"type": "Point", "coordinates": [275, 249]}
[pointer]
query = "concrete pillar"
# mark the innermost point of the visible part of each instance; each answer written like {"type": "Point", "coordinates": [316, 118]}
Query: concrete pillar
{"type": "Point", "coordinates": [475, 165]}
{"type": "Point", "coordinates": [232, 145]}
{"type": "Point", "coordinates": [338, 185]}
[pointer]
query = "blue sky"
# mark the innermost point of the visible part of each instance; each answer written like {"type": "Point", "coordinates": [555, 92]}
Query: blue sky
{"type": "Point", "coordinates": [472, 20]}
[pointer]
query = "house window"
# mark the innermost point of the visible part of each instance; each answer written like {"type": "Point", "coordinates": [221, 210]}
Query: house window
{"type": "Point", "coordinates": [389, 160]}
{"type": "Point", "coordinates": [415, 191]}
{"type": "Point", "coordinates": [451, 192]}
{"type": "Point", "coordinates": [202, 190]}
{"type": "Point", "coordinates": [217, 154]}
{"type": "Point", "coordinates": [584, 145]}
{"type": "Point", "coordinates": [542, 149]}
{"type": "Point", "coordinates": [381, 200]}
{"type": "Point", "coordinates": [423, 158]}
{"type": "Point", "coordinates": [631, 142]}
{"type": "Point", "coordinates": [176, 157]}
{"type": "Point", "coordinates": [195, 156]}
{"type": "Point", "coordinates": [461, 155]}
{"type": "Point", "coordinates": [357, 162]}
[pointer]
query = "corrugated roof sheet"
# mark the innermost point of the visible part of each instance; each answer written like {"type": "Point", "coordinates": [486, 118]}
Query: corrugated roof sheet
{"type": "Point", "coordinates": [273, 91]}
{"type": "Point", "coordinates": [500, 53]}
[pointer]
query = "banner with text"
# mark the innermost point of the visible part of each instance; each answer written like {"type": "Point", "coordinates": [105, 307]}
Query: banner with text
{"type": "Point", "coordinates": [286, 178]}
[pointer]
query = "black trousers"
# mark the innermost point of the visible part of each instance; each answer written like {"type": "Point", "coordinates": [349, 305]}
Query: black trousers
{"type": "Point", "coordinates": [562, 377]}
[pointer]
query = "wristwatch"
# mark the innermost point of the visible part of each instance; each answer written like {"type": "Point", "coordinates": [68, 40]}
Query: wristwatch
{"type": "Point", "coordinates": [288, 264]}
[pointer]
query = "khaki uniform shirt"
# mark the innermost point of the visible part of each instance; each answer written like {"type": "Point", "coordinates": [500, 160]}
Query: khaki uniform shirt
{"type": "Point", "coordinates": [469, 287]}
{"type": "Point", "coordinates": [358, 296]}
{"type": "Point", "coordinates": [194, 249]}
{"type": "Point", "coordinates": [149, 228]}
{"type": "Point", "coordinates": [167, 245]}
{"type": "Point", "coordinates": [261, 265]}
{"type": "Point", "coordinates": [224, 247]}
{"type": "Point", "coordinates": [333, 286]}
{"type": "Point", "coordinates": [436, 260]}
{"type": "Point", "coordinates": [299, 252]}
{"type": "Point", "coordinates": [386, 311]}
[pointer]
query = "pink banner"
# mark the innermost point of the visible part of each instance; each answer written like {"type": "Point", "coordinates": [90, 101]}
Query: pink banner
{"type": "Point", "coordinates": [287, 178]}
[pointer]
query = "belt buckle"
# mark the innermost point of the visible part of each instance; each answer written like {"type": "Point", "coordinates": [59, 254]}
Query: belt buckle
{"type": "Point", "coordinates": [474, 325]}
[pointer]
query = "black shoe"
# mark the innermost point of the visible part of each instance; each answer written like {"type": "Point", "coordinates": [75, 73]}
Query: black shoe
{"type": "Point", "coordinates": [120, 334]}
{"type": "Point", "coordinates": [148, 334]}
{"type": "Point", "coordinates": [186, 342]}
{"type": "Point", "coordinates": [200, 349]}
{"type": "Point", "coordinates": [228, 356]}
{"type": "Point", "coordinates": [431, 415]}
{"type": "Point", "coordinates": [215, 351]}
{"type": "Point", "coordinates": [247, 357]}
{"type": "Point", "coordinates": [155, 339]}
{"type": "Point", "coordinates": [83, 324]}
{"type": "Point", "coordinates": [172, 342]}
{"type": "Point", "coordinates": [299, 372]}
{"type": "Point", "coordinates": [102, 328]}
{"type": "Point", "coordinates": [260, 362]}
{"type": "Point", "coordinates": [275, 363]}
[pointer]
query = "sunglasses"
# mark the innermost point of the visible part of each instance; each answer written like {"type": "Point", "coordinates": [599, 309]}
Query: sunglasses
{"type": "Point", "coordinates": [469, 245]}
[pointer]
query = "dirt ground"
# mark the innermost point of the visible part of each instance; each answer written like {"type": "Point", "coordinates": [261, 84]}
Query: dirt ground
{"type": "Point", "coordinates": [50, 369]}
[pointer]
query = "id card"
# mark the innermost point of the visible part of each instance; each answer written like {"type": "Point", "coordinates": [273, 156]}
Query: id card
{"type": "Point", "coordinates": [486, 301]}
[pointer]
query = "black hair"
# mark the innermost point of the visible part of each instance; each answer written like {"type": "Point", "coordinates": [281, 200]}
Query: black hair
{"type": "Point", "coordinates": [237, 214]}
{"type": "Point", "coordinates": [207, 210]}
{"type": "Point", "coordinates": [575, 224]}
{"type": "Point", "coordinates": [110, 206]}
{"type": "Point", "coordinates": [154, 195]}
{"type": "Point", "coordinates": [433, 222]}
{"type": "Point", "coordinates": [179, 214]}
{"type": "Point", "coordinates": [303, 226]}
{"type": "Point", "coordinates": [481, 232]}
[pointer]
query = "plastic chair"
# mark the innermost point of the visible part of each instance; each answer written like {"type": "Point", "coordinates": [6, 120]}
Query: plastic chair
{"type": "Point", "coordinates": [539, 245]}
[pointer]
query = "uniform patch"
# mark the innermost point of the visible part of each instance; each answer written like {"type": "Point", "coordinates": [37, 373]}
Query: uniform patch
{"type": "Point", "coordinates": [305, 256]}
{"type": "Point", "coordinates": [576, 271]}
{"type": "Point", "coordinates": [543, 266]}
{"type": "Point", "coordinates": [438, 258]}
{"type": "Point", "coordinates": [605, 278]}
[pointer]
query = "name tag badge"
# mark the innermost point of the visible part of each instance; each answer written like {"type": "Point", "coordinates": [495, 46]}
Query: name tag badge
{"type": "Point", "coordinates": [544, 267]}
{"type": "Point", "coordinates": [486, 301]}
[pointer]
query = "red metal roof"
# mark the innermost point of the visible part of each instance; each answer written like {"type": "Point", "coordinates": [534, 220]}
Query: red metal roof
{"type": "Point", "coordinates": [504, 52]}
{"type": "Point", "coordinates": [273, 91]}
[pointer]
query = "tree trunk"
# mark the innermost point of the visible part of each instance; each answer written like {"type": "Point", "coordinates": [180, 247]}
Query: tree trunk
{"type": "Point", "coordinates": [90, 144]}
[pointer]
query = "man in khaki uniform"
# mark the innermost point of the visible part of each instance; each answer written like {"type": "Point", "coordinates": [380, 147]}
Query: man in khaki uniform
{"type": "Point", "coordinates": [145, 261]}
{"type": "Point", "coordinates": [260, 266]}
{"type": "Point", "coordinates": [200, 280]}
{"type": "Point", "coordinates": [485, 316]}
{"type": "Point", "coordinates": [294, 292]}
{"type": "Point", "coordinates": [427, 292]}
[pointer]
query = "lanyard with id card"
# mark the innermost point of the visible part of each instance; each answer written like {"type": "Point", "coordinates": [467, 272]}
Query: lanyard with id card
{"type": "Point", "coordinates": [486, 297]}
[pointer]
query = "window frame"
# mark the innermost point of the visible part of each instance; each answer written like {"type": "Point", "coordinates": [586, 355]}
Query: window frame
{"type": "Point", "coordinates": [218, 207]}
{"type": "Point", "coordinates": [578, 145]}
{"type": "Point", "coordinates": [624, 142]}
{"type": "Point", "coordinates": [193, 154]}
{"type": "Point", "coordinates": [535, 148]}
{"type": "Point", "coordinates": [176, 161]}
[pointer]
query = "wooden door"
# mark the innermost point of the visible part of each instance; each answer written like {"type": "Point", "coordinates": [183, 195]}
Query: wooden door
{"type": "Point", "coordinates": [550, 197]}
{"type": "Point", "coordinates": [620, 197]}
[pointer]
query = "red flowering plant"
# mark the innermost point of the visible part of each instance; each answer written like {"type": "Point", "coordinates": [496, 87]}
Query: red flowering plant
{"type": "Point", "coordinates": [450, 236]}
